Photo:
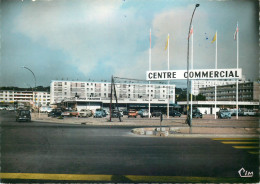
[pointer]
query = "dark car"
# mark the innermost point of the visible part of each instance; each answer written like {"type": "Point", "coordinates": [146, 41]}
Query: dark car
{"type": "Point", "coordinates": [174, 113]}
{"type": "Point", "coordinates": [156, 113]}
{"type": "Point", "coordinates": [116, 114]}
{"type": "Point", "coordinates": [23, 115]}
{"type": "Point", "coordinates": [125, 112]}
{"type": "Point", "coordinates": [55, 113]}
{"type": "Point", "coordinates": [196, 113]}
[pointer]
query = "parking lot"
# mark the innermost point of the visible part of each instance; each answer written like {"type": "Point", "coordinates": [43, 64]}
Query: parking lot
{"type": "Point", "coordinates": [206, 120]}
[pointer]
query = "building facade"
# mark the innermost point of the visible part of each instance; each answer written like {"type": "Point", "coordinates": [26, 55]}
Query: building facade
{"type": "Point", "coordinates": [247, 91]}
{"type": "Point", "coordinates": [248, 97]}
{"type": "Point", "coordinates": [32, 98]}
{"type": "Point", "coordinates": [99, 93]}
{"type": "Point", "coordinates": [197, 84]}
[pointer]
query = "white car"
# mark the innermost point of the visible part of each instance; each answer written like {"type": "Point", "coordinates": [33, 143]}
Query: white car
{"type": "Point", "coordinates": [45, 109]}
{"type": "Point", "coordinates": [249, 113]}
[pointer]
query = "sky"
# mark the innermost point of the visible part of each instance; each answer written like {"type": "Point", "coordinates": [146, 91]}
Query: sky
{"type": "Point", "coordinates": [95, 39]}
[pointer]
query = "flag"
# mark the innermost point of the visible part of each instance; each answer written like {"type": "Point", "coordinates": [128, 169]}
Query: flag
{"type": "Point", "coordinates": [167, 43]}
{"type": "Point", "coordinates": [236, 32]}
{"type": "Point", "coordinates": [191, 31]}
{"type": "Point", "coordinates": [214, 38]}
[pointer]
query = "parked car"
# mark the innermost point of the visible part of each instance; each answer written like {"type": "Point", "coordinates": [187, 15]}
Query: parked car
{"type": "Point", "coordinates": [174, 113]}
{"type": "Point", "coordinates": [196, 113]}
{"type": "Point", "coordinates": [116, 113]}
{"type": "Point", "coordinates": [45, 109]}
{"type": "Point", "coordinates": [224, 114]}
{"type": "Point", "coordinates": [100, 113]}
{"type": "Point", "coordinates": [55, 113]}
{"type": "Point", "coordinates": [141, 111]}
{"type": "Point", "coordinates": [10, 108]}
{"type": "Point", "coordinates": [156, 113]}
{"type": "Point", "coordinates": [125, 112]}
{"type": "Point", "coordinates": [234, 112]}
{"type": "Point", "coordinates": [144, 114]}
{"type": "Point", "coordinates": [23, 115]}
{"type": "Point", "coordinates": [85, 113]}
{"type": "Point", "coordinates": [69, 113]}
{"type": "Point", "coordinates": [2, 108]}
{"type": "Point", "coordinates": [249, 113]}
{"type": "Point", "coordinates": [132, 113]}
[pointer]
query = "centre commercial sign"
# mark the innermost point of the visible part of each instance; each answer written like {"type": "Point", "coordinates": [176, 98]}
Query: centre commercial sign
{"type": "Point", "coordinates": [195, 74]}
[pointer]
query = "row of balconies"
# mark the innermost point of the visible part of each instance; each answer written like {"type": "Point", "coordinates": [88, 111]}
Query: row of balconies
{"type": "Point", "coordinates": [229, 99]}
{"type": "Point", "coordinates": [228, 94]}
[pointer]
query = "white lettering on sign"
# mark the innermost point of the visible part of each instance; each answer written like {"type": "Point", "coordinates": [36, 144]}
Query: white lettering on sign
{"type": "Point", "coordinates": [194, 74]}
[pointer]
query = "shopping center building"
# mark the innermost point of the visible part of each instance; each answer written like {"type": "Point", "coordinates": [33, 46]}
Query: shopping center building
{"type": "Point", "coordinates": [248, 97]}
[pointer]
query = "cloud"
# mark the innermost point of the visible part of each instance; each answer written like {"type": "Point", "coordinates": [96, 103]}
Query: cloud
{"type": "Point", "coordinates": [101, 38]}
{"type": "Point", "coordinates": [91, 32]}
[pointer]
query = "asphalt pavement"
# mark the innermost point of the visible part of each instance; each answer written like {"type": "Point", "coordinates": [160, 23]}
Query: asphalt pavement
{"type": "Point", "coordinates": [44, 152]}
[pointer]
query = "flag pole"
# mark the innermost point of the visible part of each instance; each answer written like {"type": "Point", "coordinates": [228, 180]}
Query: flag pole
{"type": "Point", "coordinates": [237, 68]}
{"type": "Point", "coordinates": [168, 80]}
{"type": "Point", "coordinates": [149, 104]}
{"type": "Point", "coordinates": [191, 69]}
{"type": "Point", "coordinates": [216, 66]}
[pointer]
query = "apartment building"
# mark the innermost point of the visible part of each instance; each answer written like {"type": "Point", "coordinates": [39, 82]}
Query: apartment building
{"type": "Point", "coordinates": [32, 98]}
{"type": "Point", "coordinates": [98, 93]}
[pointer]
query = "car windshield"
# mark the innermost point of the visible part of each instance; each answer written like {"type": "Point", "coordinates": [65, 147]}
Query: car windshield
{"type": "Point", "coordinates": [24, 112]}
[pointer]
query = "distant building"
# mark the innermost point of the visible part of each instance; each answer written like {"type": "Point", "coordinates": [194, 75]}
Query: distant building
{"type": "Point", "coordinates": [32, 98]}
{"type": "Point", "coordinates": [247, 91]}
{"type": "Point", "coordinates": [97, 94]}
{"type": "Point", "coordinates": [248, 97]}
{"type": "Point", "coordinates": [197, 84]}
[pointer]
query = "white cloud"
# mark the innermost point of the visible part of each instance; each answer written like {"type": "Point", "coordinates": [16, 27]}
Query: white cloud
{"type": "Point", "coordinates": [176, 23]}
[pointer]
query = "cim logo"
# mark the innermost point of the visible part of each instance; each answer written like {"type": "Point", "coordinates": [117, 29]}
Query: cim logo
{"type": "Point", "coordinates": [243, 173]}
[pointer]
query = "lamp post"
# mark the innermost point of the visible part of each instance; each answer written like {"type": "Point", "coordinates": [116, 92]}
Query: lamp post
{"type": "Point", "coordinates": [33, 77]}
{"type": "Point", "coordinates": [188, 66]}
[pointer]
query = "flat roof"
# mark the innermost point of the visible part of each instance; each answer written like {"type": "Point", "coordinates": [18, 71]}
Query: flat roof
{"type": "Point", "coordinates": [218, 103]}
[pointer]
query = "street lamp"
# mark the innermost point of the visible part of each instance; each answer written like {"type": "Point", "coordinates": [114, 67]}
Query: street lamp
{"type": "Point", "coordinates": [188, 66]}
{"type": "Point", "coordinates": [33, 77]}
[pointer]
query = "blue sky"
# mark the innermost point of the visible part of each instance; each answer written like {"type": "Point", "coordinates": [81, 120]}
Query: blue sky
{"type": "Point", "coordinates": [87, 39]}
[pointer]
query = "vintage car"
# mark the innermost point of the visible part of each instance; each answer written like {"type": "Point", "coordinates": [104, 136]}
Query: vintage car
{"type": "Point", "coordinates": [196, 113]}
{"type": "Point", "coordinates": [85, 113]}
{"type": "Point", "coordinates": [156, 113]}
{"type": "Point", "coordinates": [132, 113]}
{"type": "Point", "coordinates": [69, 113]}
{"type": "Point", "coordinates": [23, 115]}
{"type": "Point", "coordinates": [144, 114]}
{"type": "Point", "coordinates": [55, 113]}
{"type": "Point", "coordinates": [116, 113]}
{"type": "Point", "coordinates": [100, 113]}
{"type": "Point", "coordinates": [174, 113]}
{"type": "Point", "coordinates": [224, 114]}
